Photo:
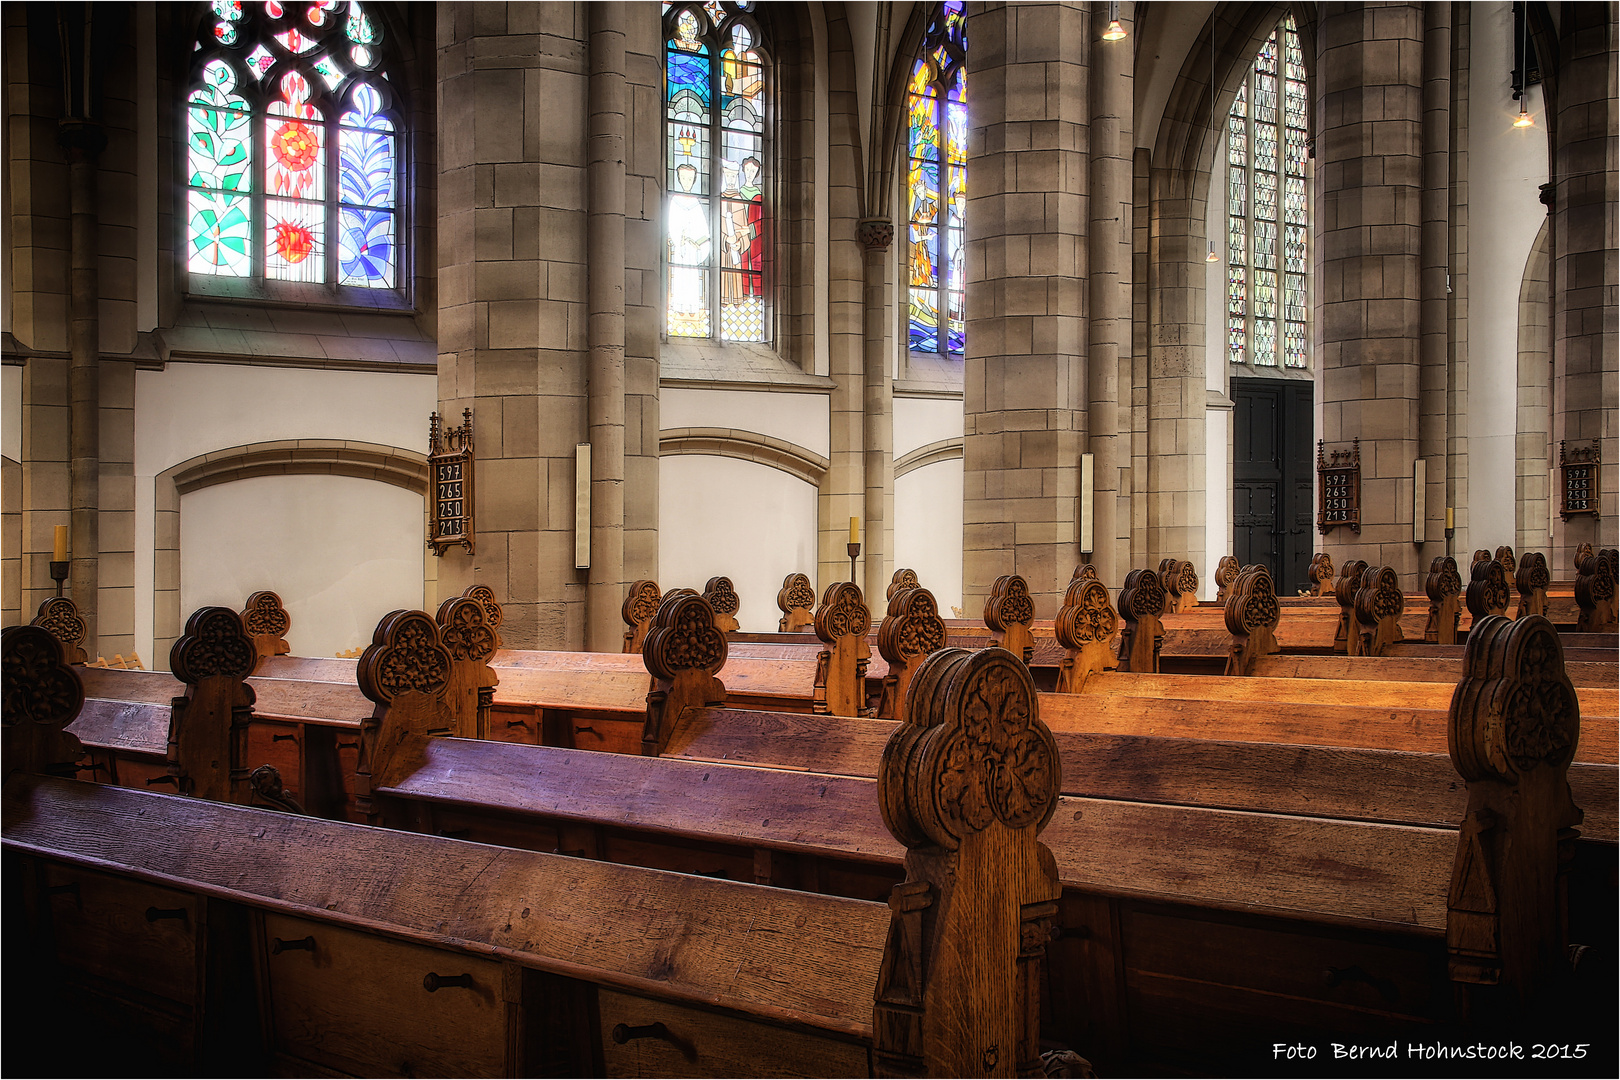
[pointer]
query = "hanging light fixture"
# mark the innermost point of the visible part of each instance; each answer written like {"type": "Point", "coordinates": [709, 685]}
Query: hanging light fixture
{"type": "Point", "coordinates": [1115, 31]}
{"type": "Point", "coordinates": [1524, 120]}
{"type": "Point", "coordinates": [1522, 74]}
{"type": "Point", "coordinates": [1213, 256]}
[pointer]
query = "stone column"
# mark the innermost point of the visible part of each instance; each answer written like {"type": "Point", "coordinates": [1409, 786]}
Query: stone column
{"type": "Point", "coordinates": [876, 234]}
{"type": "Point", "coordinates": [1434, 347]}
{"type": "Point", "coordinates": [513, 310]}
{"type": "Point", "coordinates": [1585, 278]}
{"type": "Point", "coordinates": [83, 140]}
{"type": "Point", "coordinates": [1109, 286]}
{"type": "Point", "coordinates": [605, 252]}
{"type": "Point", "coordinates": [1369, 110]}
{"type": "Point", "coordinates": [1024, 400]}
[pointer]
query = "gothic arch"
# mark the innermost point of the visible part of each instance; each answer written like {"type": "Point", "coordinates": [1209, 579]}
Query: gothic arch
{"type": "Point", "coordinates": [1533, 454]}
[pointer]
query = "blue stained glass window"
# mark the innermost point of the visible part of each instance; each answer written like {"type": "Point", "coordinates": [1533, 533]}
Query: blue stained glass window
{"type": "Point", "coordinates": [1268, 211]}
{"type": "Point", "coordinates": [280, 102]}
{"type": "Point", "coordinates": [936, 175]}
{"type": "Point", "coordinates": [715, 220]}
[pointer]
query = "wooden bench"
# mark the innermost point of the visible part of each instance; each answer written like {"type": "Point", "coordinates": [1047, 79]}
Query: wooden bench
{"type": "Point", "coordinates": [197, 935]}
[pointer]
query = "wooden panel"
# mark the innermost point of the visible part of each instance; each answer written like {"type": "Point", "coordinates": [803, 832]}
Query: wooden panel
{"type": "Point", "coordinates": [271, 742]}
{"type": "Point", "coordinates": [311, 668]}
{"type": "Point", "coordinates": [514, 723]}
{"type": "Point", "coordinates": [839, 745]}
{"type": "Point", "coordinates": [712, 1044]}
{"type": "Point", "coordinates": [123, 932]}
{"type": "Point", "coordinates": [338, 703]}
{"type": "Point", "coordinates": [795, 957]}
{"type": "Point", "coordinates": [123, 725]}
{"type": "Point", "coordinates": [116, 684]}
{"type": "Point", "coordinates": [357, 1003]}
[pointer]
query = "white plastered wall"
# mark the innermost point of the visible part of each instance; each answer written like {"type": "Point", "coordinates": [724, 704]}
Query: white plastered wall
{"type": "Point", "coordinates": [1506, 167]}
{"type": "Point", "coordinates": [1217, 371]}
{"type": "Point", "coordinates": [11, 411]}
{"type": "Point", "coordinates": [190, 409]}
{"type": "Point", "coordinates": [724, 516]}
{"type": "Point", "coordinates": [801, 419]}
{"type": "Point", "coordinates": [340, 551]}
{"type": "Point", "coordinates": [928, 500]}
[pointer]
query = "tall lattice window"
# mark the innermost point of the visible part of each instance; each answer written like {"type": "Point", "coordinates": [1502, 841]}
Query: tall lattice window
{"type": "Point", "coordinates": [1268, 215]}
{"type": "Point", "coordinates": [716, 233]}
{"type": "Point", "coordinates": [292, 153]}
{"type": "Point", "coordinates": [937, 182]}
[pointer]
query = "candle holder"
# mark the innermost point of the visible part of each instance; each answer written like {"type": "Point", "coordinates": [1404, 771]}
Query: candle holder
{"type": "Point", "coordinates": [59, 572]}
{"type": "Point", "coordinates": [854, 551]}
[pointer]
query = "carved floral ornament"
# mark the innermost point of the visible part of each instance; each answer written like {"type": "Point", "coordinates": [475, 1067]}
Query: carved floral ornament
{"type": "Point", "coordinates": [641, 603]}
{"type": "Point", "coordinates": [913, 627]}
{"type": "Point", "coordinates": [463, 630]}
{"type": "Point", "coordinates": [1444, 578]}
{"type": "Point", "coordinates": [1596, 580]}
{"type": "Point", "coordinates": [722, 596]}
{"type": "Point", "coordinates": [405, 655]}
{"type": "Point", "coordinates": [264, 614]}
{"type": "Point", "coordinates": [1515, 708]}
{"type": "Point", "coordinates": [1253, 602]}
{"type": "Point", "coordinates": [1187, 580]}
{"type": "Point", "coordinates": [59, 616]}
{"type": "Point", "coordinates": [36, 683]}
{"type": "Point", "coordinates": [683, 637]}
{"type": "Point", "coordinates": [1142, 596]}
{"type": "Point", "coordinates": [215, 643]}
{"type": "Point", "coordinates": [1532, 573]}
{"type": "Point", "coordinates": [972, 750]}
{"type": "Point", "coordinates": [843, 613]}
{"type": "Point", "coordinates": [797, 592]}
{"type": "Point", "coordinates": [903, 579]}
{"type": "Point", "coordinates": [1087, 615]}
{"type": "Point", "coordinates": [1085, 572]}
{"type": "Point", "coordinates": [1226, 571]}
{"type": "Point", "coordinates": [484, 596]}
{"type": "Point", "coordinates": [1009, 603]}
{"type": "Point", "coordinates": [1380, 596]}
{"type": "Point", "coordinates": [1488, 591]}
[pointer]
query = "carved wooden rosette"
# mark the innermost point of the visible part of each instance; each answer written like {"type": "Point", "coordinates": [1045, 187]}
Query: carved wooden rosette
{"type": "Point", "coordinates": [723, 600]}
{"type": "Point", "coordinates": [902, 579]}
{"type": "Point", "coordinates": [59, 616]}
{"type": "Point", "coordinates": [1480, 555]}
{"type": "Point", "coordinates": [40, 695]}
{"type": "Point", "coordinates": [1510, 564]}
{"type": "Point", "coordinates": [1532, 579]}
{"type": "Point", "coordinates": [967, 782]}
{"type": "Point", "coordinates": [640, 605]}
{"type": "Point", "coordinates": [266, 789]}
{"type": "Point", "coordinates": [1252, 614]}
{"type": "Point", "coordinates": [208, 724]}
{"type": "Point", "coordinates": [1321, 574]}
{"type": "Point", "coordinates": [1345, 639]}
{"type": "Point", "coordinates": [1226, 573]}
{"type": "Point", "coordinates": [267, 623]}
{"type": "Point", "coordinates": [1180, 583]}
{"type": "Point", "coordinates": [484, 596]}
{"type": "Point", "coordinates": [1008, 612]}
{"type": "Point", "coordinates": [1379, 604]}
{"type": "Point", "coordinates": [842, 622]}
{"type": "Point", "coordinates": [1141, 601]}
{"type": "Point", "coordinates": [1594, 595]}
{"type": "Point", "coordinates": [1487, 592]}
{"type": "Point", "coordinates": [1514, 725]}
{"type": "Point", "coordinates": [1084, 572]}
{"type": "Point", "coordinates": [1444, 587]}
{"type": "Point", "coordinates": [796, 601]}
{"type": "Point", "coordinates": [684, 652]}
{"type": "Point", "coordinates": [1582, 552]}
{"type": "Point", "coordinates": [406, 672]}
{"type": "Point", "coordinates": [471, 643]}
{"type": "Point", "coordinates": [910, 631]}
{"type": "Point", "coordinates": [1085, 626]}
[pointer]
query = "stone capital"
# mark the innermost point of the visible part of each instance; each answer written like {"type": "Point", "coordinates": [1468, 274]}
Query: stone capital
{"type": "Point", "coordinates": [876, 233]}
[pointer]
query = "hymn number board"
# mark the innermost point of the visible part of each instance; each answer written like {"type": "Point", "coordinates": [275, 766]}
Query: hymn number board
{"type": "Point", "coordinates": [450, 505]}
{"type": "Point", "coordinates": [1339, 487]}
{"type": "Point", "coordinates": [1580, 468]}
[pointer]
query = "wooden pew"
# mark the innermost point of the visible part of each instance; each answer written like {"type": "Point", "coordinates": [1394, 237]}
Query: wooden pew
{"type": "Point", "coordinates": [297, 945]}
{"type": "Point", "coordinates": [267, 623]}
{"type": "Point", "coordinates": [59, 616]}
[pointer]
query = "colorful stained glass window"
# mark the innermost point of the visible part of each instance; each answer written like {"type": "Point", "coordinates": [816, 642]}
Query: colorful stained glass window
{"type": "Point", "coordinates": [715, 223]}
{"type": "Point", "coordinates": [936, 184]}
{"type": "Point", "coordinates": [292, 148]}
{"type": "Point", "coordinates": [1268, 212]}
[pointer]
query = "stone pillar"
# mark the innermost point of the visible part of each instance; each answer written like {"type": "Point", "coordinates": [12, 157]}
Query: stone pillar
{"type": "Point", "coordinates": [83, 141]}
{"type": "Point", "coordinates": [1585, 278]}
{"type": "Point", "coordinates": [1108, 255]}
{"type": "Point", "coordinates": [1369, 110]}
{"type": "Point", "coordinates": [876, 234]}
{"type": "Point", "coordinates": [1435, 346]}
{"type": "Point", "coordinates": [1024, 400]}
{"type": "Point", "coordinates": [513, 311]}
{"type": "Point", "coordinates": [605, 252]}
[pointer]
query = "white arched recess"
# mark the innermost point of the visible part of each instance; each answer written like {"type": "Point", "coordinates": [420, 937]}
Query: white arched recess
{"type": "Point", "coordinates": [725, 516]}
{"type": "Point", "coordinates": [340, 551]}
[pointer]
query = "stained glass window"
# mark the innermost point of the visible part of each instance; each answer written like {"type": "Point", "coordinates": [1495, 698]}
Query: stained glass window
{"type": "Point", "coordinates": [716, 233]}
{"type": "Point", "coordinates": [292, 148]}
{"type": "Point", "coordinates": [936, 183]}
{"type": "Point", "coordinates": [1268, 212]}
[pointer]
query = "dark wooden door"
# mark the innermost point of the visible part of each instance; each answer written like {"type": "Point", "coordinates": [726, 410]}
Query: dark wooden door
{"type": "Point", "coordinates": [1271, 478]}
